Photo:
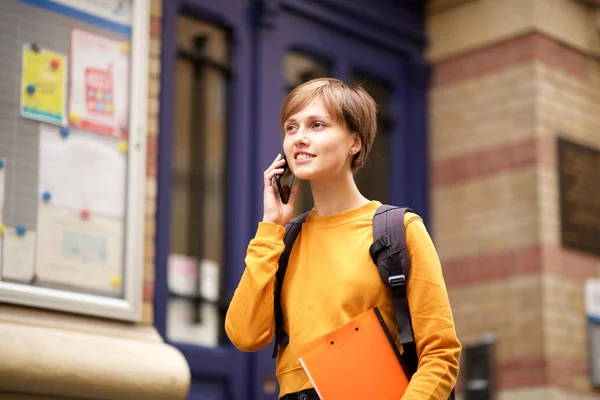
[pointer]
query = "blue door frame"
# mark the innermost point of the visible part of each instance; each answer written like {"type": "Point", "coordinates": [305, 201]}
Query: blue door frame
{"type": "Point", "coordinates": [259, 35]}
{"type": "Point", "coordinates": [222, 372]}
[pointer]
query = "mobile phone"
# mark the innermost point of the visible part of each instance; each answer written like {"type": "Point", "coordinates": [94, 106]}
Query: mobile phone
{"type": "Point", "coordinates": [284, 181]}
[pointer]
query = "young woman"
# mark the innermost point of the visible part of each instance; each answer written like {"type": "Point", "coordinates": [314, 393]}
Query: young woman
{"type": "Point", "coordinates": [329, 129]}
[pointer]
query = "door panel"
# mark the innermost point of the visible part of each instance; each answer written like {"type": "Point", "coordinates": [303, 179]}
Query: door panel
{"type": "Point", "coordinates": [202, 229]}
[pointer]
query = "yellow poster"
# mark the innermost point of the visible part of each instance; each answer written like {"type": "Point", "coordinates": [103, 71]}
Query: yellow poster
{"type": "Point", "coordinates": [43, 85]}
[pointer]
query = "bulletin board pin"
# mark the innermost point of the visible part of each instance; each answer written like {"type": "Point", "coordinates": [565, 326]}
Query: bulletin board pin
{"type": "Point", "coordinates": [46, 196]}
{"type": "Point", "coordinates": [115, 281]}
{"type": "Point", "coordinates": [74, 118]}
{"type": "Point", "coordinates": [31, 88]}
{"type": "Point", "coordinates": [21, 230]}
{"type": "Point", "coordinates": [64, 132]}
{"type": "Point", "coordinates": [85, 214]}
{"type": "Point", "coordinates": [1, 162]}
{"type": "Point", "coordinates": [36, 47]}
{"type": "Point", "coordinates": [54, 64]}
{"type": "Point", "coordinates": [123, 146]}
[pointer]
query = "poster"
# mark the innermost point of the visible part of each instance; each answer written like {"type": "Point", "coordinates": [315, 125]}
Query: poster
{"type": "Point", "coordinates": [82, 172]}
{"type": "Point", "coordinates": [18, 255]}
{"type": "Point", "coordinates": [182, 280]}
{"type": "Point", "coordinates": [99, 84]}
{"type": "Point", "coordinates": [43, 85]}
{"type": "Point", "coordinates": [82, 253]}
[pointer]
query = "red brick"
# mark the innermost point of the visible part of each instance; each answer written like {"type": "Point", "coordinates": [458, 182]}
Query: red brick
{"type": "Point", "coordinates": [561, 56]}
{"type": "Point", "coordinates": [148, 292]}
{"type": "Point", "coordinates": [563, 372]}
{"type": "Point", "coordinates": [155, 27]}
{"type": "Point", "coordinates": [515, 262]}
{"type": "Point", "coordinates": [489, 267]}
{"type": "Point", "coordinates": [484, 162]}
{"type": "Point", "coordinates": [522, 49]}
{"type": "Point", "coordinates": [535, 371]}
{"type": "Point", "coordinates": [522, 372]}
{"type": "Point", "coordinates": [151, 166]}
{"type": "Point", "coordinates": [151, 147]}
{"type": "Point", "coordinates": [570, 263]}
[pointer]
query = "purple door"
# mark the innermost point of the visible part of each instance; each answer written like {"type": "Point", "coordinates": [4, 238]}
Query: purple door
{"type": "Point", "coordinates": [202, 226]}
{"type": "Point", "coordinates": [226, 66]}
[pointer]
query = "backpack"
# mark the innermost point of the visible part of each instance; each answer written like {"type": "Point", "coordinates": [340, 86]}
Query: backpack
{"type": "Point", "coordinates": [390, 255]}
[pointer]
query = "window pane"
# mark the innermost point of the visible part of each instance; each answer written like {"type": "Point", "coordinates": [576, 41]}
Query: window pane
{"type": "Point", "coordinates": [198, 193]}
{"type": "Point", "coordinates": [372, 179]}
{"type": "Point", "coordinates": [299, 68]}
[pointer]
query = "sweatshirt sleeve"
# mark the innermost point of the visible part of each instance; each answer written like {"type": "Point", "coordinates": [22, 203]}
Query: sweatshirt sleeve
{"type": "Point", "coordinates": [250, 321]}
{"type": "Point", "coordinates": [437, 345]}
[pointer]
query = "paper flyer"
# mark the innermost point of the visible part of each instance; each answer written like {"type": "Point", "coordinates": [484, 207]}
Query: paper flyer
{"type": "Point", "coordinates": [83, 253]}
{"type": "Point", "coordinates": [18, 255]}
{"type": "Point", "coordinates": [99, 84]}
{"type": "Point", "coordinates": [181, 314]}
{"type": "Point", "coordinates": [117, 11]}
{"type": "Point", "coordinates": [83, 171]}
{"type": "Point", "coordinates": [43, 85]}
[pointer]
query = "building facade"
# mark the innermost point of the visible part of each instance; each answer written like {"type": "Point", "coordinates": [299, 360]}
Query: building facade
{"type": "Point", "coordinates": [473, 97]}
{"type": "Point", "coordinates": [511, 78]}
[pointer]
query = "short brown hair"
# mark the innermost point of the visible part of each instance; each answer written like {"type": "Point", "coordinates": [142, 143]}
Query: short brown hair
{"type": "Point", "coordinates": [349, 105]}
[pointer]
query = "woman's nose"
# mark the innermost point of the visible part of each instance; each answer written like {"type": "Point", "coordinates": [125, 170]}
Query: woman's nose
{"type": "Point", "coordinates": [301, 137]}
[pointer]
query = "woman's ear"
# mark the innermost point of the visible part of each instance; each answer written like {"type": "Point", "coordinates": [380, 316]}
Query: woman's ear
{"type": "Point", "coordinates": [356, 143]}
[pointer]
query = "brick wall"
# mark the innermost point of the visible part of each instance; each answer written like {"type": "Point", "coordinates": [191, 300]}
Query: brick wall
{"type": "Point", "coordinates": [153, 108]}
{"type": "Point", "coordinates": [568, 105]}
{"type": "Point", "coordinates": [495, 113]}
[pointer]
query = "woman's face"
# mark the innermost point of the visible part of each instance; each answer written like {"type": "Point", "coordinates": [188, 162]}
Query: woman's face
{"type": "Point", "coordinates": [316, 146]}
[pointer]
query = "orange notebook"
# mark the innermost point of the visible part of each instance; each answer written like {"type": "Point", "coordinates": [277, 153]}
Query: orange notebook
{"type": "Point", "coordinates": [359, 360]}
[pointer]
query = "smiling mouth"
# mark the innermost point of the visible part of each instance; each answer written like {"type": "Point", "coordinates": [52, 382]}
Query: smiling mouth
{"type": "Point", "coordinates": [303, 156]}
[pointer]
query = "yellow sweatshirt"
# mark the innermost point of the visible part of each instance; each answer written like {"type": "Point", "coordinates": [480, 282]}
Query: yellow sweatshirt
{"type": "Point", "coordinates": [331, 279]}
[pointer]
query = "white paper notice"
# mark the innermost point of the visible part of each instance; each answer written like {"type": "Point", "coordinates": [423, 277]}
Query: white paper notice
{"type": "Point", "coordinates": [99, 84]}
{"type": "Point", "coordinates": [117, 11]}
{"type": "Point", "coordinates": [18, 255]}
{"type": "Point", "coordinates": [182, 275]}
{"type": "Point", "coordinates": [181, 325]}
{"type": "Point", "coordinates": [83, 171]}
{"type": "Point", "coordinates": [83, 253]}
{"type": "Point", "coordinates": [209, 280]}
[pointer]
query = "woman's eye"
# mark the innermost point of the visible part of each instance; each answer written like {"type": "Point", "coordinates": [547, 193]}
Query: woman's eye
{"type": "Point", "coordinates": [290, 128]}
{"type": "Point", "coordinates": [318, 125]}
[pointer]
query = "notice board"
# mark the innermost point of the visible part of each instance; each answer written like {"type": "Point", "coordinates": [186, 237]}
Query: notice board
{"type": "Point", "coordinates": [72, 165]}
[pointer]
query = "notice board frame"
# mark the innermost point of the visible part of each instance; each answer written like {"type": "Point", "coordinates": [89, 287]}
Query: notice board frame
{"type": "Point", "coordinates": [129, 307]}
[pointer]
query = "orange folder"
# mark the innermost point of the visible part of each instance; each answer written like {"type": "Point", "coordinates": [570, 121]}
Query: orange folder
{"type": "Point", "coordinates": [358, 360]}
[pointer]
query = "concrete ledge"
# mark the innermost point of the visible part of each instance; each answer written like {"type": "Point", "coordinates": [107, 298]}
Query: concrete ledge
{"type": "Point", "coordinates": [19, 396]}
{"type": "Point", "coordinates": [82, 365]}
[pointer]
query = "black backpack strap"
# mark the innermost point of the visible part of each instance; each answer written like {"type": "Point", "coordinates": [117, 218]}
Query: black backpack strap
{"type": "Point", "coordinates": [292, 229]}
{"type": "Point", "coordinates": [390, 254]}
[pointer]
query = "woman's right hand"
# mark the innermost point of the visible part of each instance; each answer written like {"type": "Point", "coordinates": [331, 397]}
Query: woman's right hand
{"type": "Point", "coordinates": [274, 210]}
